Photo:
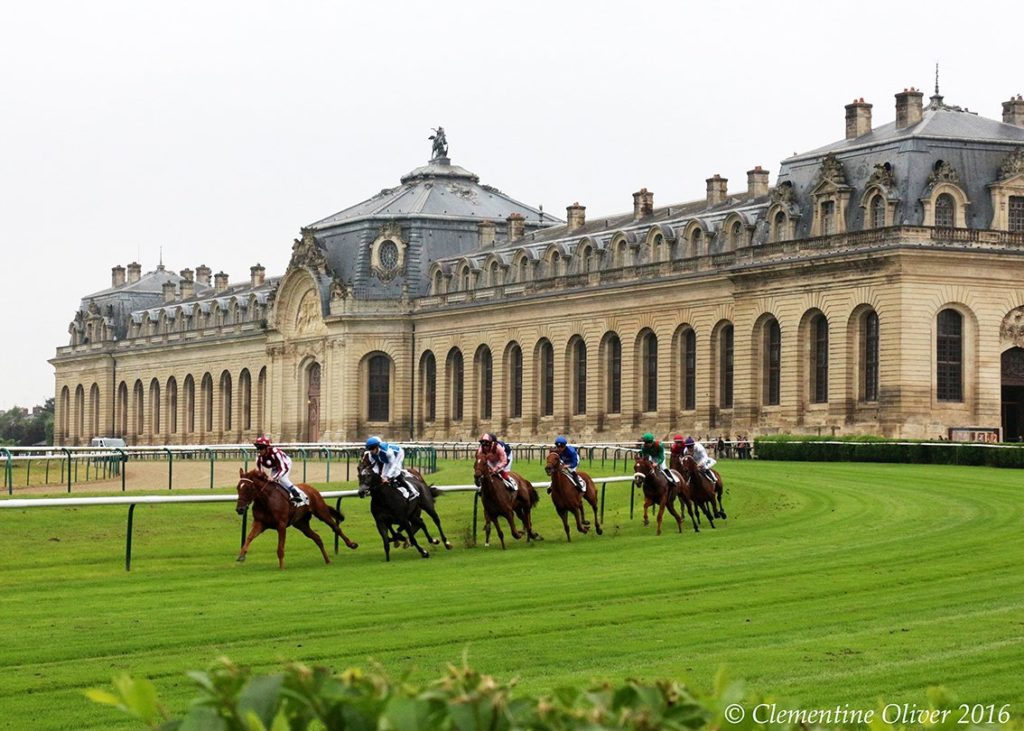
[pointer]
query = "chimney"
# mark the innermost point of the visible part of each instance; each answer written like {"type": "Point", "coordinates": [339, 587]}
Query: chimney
{"type": "Point", "coordinates": [188, 287]}
{"type": "Point", "coordinates": [576, 215]}
{"type": "Point", "coordinates": [187, 275]}
{"type": "Point", "coordinates": [858, 118]}
{"type": "Point", "coordinates": [757, 182]}
{"type": "Point", "coordinates": [908, 108]}
{"type": "Point", "coordinates": [203, 275]}
{"type": "Point", "coordinates": [515, 226]}
{"type": "Point", "coordinates": [1013, 111]}
{"type": "Point", "coordinates": [134, 272]}
{"type": "Point", "coordinates": [643, 203]}
{"type": "Point", "coordinates": [487, 232]}
{"type": "Point", "coordinates": [169, 289]}
{"type": "Point", "coordinates": [220, 282]}
{"type": "Point", "coordinates": [717, 189]}
{"type": "Point", "coordinates": [116, 276]}
{"type": "Point", "coordinates": [257, 274]}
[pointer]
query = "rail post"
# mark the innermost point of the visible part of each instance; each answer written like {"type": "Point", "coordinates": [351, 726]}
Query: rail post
{"type": "Point", "coordinates": [328, 479]}
{"type": "Point", "coordinates": [128, 539]}
{"type": "Point", "coordinates": [210, 452]}
{"type": "Point", "coordinates": [245, 524]}
{"type": "Point", "coordinates": [8, 471]}
{"type": "Point", "coordinates": [603, 486]}
{"type": "Point", "coordinates": [170, 467]}
{"type": "Point", "coordinates": [303, 451]}
{"type": "Point", "coordinates": [337, 506]}
{"type": "Point", "coordinates": [632, 497]}
{"type": "Point", "coordinates": [67, 453]}
{"type": "Point", "coordinates": [124, 461]}
{"type": "Point", "coordinates": [476, 502]}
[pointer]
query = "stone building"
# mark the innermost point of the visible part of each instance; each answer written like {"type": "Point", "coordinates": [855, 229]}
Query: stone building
{"type": "Point", "coordinates": [876, 288]}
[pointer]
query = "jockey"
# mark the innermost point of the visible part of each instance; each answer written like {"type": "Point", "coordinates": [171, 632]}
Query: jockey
{"type": "Point", "coordinates": [653, 451]}
{"type": "Point", "coordinates": [678, 446]}
{"type": "Point", "coordinates": [499, 458]}
{"type": "Point", "coordinates": [570, 460]}
{"type": "Point", "coordinates": [386, 460]}
{"type": "Point", "coordinates": [700, 456]}
{"type": "Point", "coordinates": [279, 464]}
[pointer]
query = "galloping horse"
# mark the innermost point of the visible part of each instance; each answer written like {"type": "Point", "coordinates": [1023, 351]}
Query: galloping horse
{"type": "Point", "coordinates": [704, 491]}
{"type": "Point", "coordinates": [567, 498]}
{"type": "Point", "coordinates": [658, 491]}
{"type": "Point", "coordinates": [499, 501]}
{"type": "Point", "coordinates": [390, 507]}
{"type": "Point", "coordinates": [272, 509]}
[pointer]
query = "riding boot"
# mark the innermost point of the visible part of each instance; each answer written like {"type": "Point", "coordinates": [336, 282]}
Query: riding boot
{"type": "Point", "coordinates": [580, 484]}
{"type": "Point", "coordinates": [711, 476]}
{"type": "Point", "coordinates": [297, 499]}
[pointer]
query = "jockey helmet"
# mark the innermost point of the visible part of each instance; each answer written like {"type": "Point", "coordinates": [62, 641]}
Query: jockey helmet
{"type": "Point", "coordinates": [648, 437]}
{"type": "Point", "coordinates": [373, 442]}
{"type": "Point", "coordinates": [487, 438]}
{"type": "Point", "coordinates": [677, 438]}
{"type": "Point", "coordinates": [561, 441]}
{"type": "Point", "coordinates": [261, 442]}
{"type": "Point", "coordinates": [689, 441]}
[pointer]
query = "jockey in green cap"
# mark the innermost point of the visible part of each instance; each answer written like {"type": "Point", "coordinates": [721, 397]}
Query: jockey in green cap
{"type": "Point", "coordinates": [653, 451]}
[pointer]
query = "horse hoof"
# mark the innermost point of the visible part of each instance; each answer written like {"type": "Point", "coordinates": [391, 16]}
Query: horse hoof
{"type": "Point", "coordinates": [425, 555]}
{"type": "Point", "coordinates": [240, 559]}
{"type": "Point", "coordinates": [435, 542]}
{"type": "Point", "coordinates": [353, 545]}
{"type": "Point", "coordinates": [448, 545]}
{"type": "Point", "coordinates": [487, 544]}
{"type": "Point", "coordinates": [600, 531]}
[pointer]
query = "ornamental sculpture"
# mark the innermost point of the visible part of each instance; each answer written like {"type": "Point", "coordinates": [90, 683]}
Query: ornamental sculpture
{"type": "Point", "coordinates": [1012, 165]}
{"type": "Point", "coordinates": [440, 148]}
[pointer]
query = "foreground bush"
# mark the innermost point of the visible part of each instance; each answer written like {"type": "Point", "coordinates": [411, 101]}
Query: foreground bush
{"type": "Point", "coordinates": [800, 448]}
{"type": "Point", "coordinates": [463, 700]}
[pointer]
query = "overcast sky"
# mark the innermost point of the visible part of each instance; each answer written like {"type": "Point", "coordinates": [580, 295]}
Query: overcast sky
{"type": "Point", "coordinates": [214, 130]}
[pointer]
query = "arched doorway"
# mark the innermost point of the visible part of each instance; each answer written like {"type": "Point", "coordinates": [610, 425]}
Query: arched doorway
{"type": "Point", "coordinates": [1013, 394]}
{"type": "Point", "coordinates": [313, 404]}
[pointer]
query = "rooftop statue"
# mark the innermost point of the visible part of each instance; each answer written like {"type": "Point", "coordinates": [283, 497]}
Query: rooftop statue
{"type": "Point", "coordinates": [440, 148]}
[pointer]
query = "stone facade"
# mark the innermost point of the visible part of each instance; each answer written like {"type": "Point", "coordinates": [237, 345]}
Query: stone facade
{"type": "Point", "coordinates": [875, 289]}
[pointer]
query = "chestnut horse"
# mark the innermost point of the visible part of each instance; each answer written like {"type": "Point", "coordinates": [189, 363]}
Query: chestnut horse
{"type": "Point", "coordinates": [568, 499]}
{"type": "Point", "coordinates": [271, 508]}
{"type": "Point", "coordinates": [704, 492]}
{"type": "Point", "coordinates": [658, 491]}
{"type": "Point", "coordinates": [390, 507]}
{"type": "Point", "coordinates": [500, 502]}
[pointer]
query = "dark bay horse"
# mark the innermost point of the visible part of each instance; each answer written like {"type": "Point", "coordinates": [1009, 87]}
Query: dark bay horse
{"type": "Point", "coordinates": [499, 501]}
{"type": "Point", "coordinates": [390, 507]}
{"type": "Point", "coordinates": [567, 498]}
{"type": "Point", "coordinates": [272, 509]}
{"type": "Point", "coordinates": [658, 491]}
{"type": "Point", "coordinates": [704, 492]}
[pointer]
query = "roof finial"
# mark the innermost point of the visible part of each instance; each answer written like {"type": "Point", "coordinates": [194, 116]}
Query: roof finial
{"type": "Point", "coordinates": [936, 78]}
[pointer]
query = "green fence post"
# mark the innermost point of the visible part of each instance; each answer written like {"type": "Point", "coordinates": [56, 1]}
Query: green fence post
{"type": "Point", "coordinates": [632, 497]}
{"type": "Point", "coordinates": [303, 451]}
{"type": "Point", "coordinates": [245, 523]}
{"type": "Point", "coordinates": [603, 486]}
{"type": "Point", "coordinates": [128, 540]}
{"type": "Point", "coordinates": [476, 502]}
{"type": "Point", "coordinates": [337, 506]}
{"type": "Point", "coordinates": [46, 476]}
{"type": "Point", "coordinates": [210, 452]}
{"type": "Point", "coordinates": [124, 460]}
{"type": "Point", "coordinates": [170, 468]}
{"type": "Point", "coordinates": [67, 452]}
{"type": "Point", "coordinates": [328, 478]}
{"type": "Point", "coordinates": [8, 471]}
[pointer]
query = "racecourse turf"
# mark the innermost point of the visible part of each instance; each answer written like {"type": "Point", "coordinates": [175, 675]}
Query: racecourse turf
{"type": "Point", "coordinates": [828, 584]}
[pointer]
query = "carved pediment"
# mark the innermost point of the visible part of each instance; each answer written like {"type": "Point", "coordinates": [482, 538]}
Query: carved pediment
{"type": "Point", "coordinates": [832, 173]}
{"type": "Point", "coordinates": [307, 252]}
{"type": "Point", "coordinates": [1012, 328]}
{"type": "Point", "coordinates": [1013, 165]}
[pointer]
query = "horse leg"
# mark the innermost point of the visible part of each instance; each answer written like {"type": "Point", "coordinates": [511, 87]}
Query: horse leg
{"type": "Point", "coordinates": [647, 503]}
{"type": "Point", "coordinates": [661, 514]}
{"type": "Point", "coordinates": [593, 507]}
{"type": "Point", "coordinates": [282, 534]}
{"type": "Point", "coordinates": [437, 521]}
{"type": "Point", "coordinates": [304, 526]}
{"type": "Point", "coordinates": [564, 515]}
{"type": "Point", "coordinates": [707, 513]}
{"type": "Point", "coordinates": [718, 495]}
{"type": "Point", "coordinates": [487, 530]}
{"type": "Point", "coordinates": [384, 529]}
{"type": "Point", "coordinates": [327, 516]}
{"type": "Point", "coordinates": [672, 511]}
{"type": "Point", "coordinates": [410, 530]}
{"type": "Point", "coordinates": [256, 529]}
{"type": "Point", "coordinates": [501, 535]}
{"type": "Point", "coordinates": [689, 509]}
{"type": "Point", "coordinates": [510, 517]}
{"type": "Point", "coordinates": [580, 526]}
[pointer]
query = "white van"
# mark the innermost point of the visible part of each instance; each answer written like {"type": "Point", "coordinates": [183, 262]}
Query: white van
{"type": "Point", "coordinates": [112, 442]}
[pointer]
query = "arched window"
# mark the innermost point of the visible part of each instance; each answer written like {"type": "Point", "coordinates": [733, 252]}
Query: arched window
{"type": "Point", "coordinates": [579, 377]}
{"type": "Point", "coordinates": [772, 362]}
{"type": "Point", "coordinates": [172, 405]}
{"type": "Point", "coordinates": [524, 269]}
{"type": "Point", "coordinates": [515, 385]}
{"type": "Point", "coordinates": [429, 377]}
{"type": "Point", "coordinates": [1015, 219]}
{"type": "Point", "coordinates": [649, 371]}
{"type": "Point", "coordinates": [779, 227]}
{"type": "Point", "coordinates": [485, 375]}
{"type": "Point", "coordinates": [876, 211]}
{"type": "Point", "coordinates": [688, 360]}
{"type": "Point", "coordinates": [378, 374]}
{"type": "Point", "coordinates": [154, 407]}
{"type": "Point", "coordinates": [585, 262]}
{"type": "Point", "coordinates": [819, 359]}
{"type": "Point", "coordinates": [261, 399]}
{"type": "Point", "coordinates": [736, 235]}
{"type": "Point", "coordinates": [140, 415]}
{"type": "Point", "coordinates": [65, 417]}
{"type": "Point", "coordinates": [945, 211]}
{"type": "Point", "coordinates": [79, 412]}
{"type": "Point", "coordinates": [464, 279]}
{"type": "Point", "coordinates": [122, 410]}
{"type": "Point", "coordinates": [245, 394]}
{"type": "Point", "coordinates": [828, 218]}
{"type": "Point", "coordinates": [555, 264]}
{"type": "Point", "coordinates": [225, 401]}
{"type": "Point", "coordinates": [657, 247]}
{"type": "Point", "coordinates": [493, 274]}
{"type": "Point", "coordinates": [438, 282]}
{"type": "Point", "coordinates": [190, 404]}
{"type": "Point", "coordinates": [207, 396]}
{"type": "Point", "coordinates": [547, 378]}
{"type": "Point", "coordinates": [613, 369]}
{"type": "Point", "coordinates": [949, 356]}
{"type": "Point", "coordinates": [455, 384]}
{"type": "Point", "coordinates": [869, 347]}
{"type": "Point", "coordinates": [94, 410]}
{"type": "Point", "coordinates": [725, 367]}
{"type": "Point", "coordinates": [696, 241]}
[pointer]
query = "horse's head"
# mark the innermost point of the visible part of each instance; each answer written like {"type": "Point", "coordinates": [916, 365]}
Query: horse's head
{"type": "Point", "coordinates": [688, 463]}
{"type": "Point", "coordinates": [248, 486]}
{"type": "Point", "coordinates": [642, 469]}
{"type": "Point", "coordinates": [551, 466]}
{"type": "Point", "coordinates": [368, 479]}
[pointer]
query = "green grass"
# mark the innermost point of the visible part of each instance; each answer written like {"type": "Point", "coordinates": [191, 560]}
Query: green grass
{"type": "Point", "coordinates": [830, 583]}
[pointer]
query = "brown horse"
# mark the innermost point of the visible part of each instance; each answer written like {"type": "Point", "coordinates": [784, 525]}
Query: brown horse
{"type": "Point", "coordinates": [704, 492]}
{"type": "Point", "coordinates": [499, 501]}
{"type": "Point", "coordinates": [567, 498]}
{"type": "Point", "coordinates": [272, 509]}
{"type": "Point", "coordinates": [658, 491]}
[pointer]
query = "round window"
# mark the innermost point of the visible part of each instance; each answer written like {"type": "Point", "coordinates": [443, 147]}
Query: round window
{"type": "Point", "coordinates": [389, 255]}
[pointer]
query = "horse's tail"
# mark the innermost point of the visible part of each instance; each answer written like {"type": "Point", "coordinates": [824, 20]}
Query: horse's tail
{"type": "Point", "coordinates": [336, 514]}
{"type": "Point", "coordinates": [434, 492]}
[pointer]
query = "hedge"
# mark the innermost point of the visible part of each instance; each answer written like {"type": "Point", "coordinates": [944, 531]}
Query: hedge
{"type": "Point", "coordinates": [800, 448]}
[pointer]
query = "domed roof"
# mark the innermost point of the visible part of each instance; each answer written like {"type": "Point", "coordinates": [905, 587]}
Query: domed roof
{"type": "Point", "coordinates": [438, 189]}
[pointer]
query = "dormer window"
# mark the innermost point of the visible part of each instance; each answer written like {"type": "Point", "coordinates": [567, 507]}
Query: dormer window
{"type": "Point", "coordinates": [877, 212]}
{"type": "Point", "coordinates": [945, 208]}
{"type": "Point", "coordinates": [1016, 213]}
{"type": "Point", "coordinates": [780, 227]}
{"type": "Point", "coordinates": [828, 218]}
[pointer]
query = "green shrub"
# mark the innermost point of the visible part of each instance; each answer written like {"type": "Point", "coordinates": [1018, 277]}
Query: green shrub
{"type": "Point", "coordinates": [801, 448]}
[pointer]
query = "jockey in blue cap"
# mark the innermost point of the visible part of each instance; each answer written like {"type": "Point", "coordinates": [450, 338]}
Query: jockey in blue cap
{"type": "Point", "coordinates": [570, 459]}
{"type": "Point", "coordinates": [386, 460]}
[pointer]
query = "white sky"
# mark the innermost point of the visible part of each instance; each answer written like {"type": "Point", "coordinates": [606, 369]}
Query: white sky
{"type": "Point", "coordinates": [214, 130]}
